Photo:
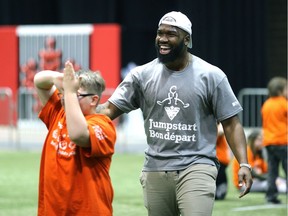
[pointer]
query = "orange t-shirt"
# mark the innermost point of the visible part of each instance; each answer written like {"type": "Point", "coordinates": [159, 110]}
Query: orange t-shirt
{"type": "Point", "coordinates": [74, 180]}
{"type": "Point", "coordinates": [255, 162]}
{"type": "Point", "coordinates": [222, 150]}
{"type": "Point", "coordinates": [274, 119]}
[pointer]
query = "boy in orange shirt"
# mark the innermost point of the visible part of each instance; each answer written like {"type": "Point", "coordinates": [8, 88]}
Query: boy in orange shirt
{"type": "Point", "coordinates": [275, 134]}
{"type": "Point", "coordinates": [76, 157]}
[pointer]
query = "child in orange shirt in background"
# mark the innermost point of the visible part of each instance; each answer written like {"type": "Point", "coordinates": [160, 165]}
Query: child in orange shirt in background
{"type": "Point", "coordinates": [223, 154]}
{"type": "Point", "coordinates": [77, 153]}
{"type": "Point", "coordinates": [275, 133]}
{"type": "Point", "coordinates": [258, 163]}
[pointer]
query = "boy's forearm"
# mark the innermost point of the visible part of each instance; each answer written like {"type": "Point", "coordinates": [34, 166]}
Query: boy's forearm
{"type": "Point", "coordinates": [76, 122]}
{"type": "Point", "coordinates": [46, 82]}
{"type": "Point", "coordinates": [46, 79]}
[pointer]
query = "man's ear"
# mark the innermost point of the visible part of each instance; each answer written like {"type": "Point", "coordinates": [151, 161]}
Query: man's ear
{"type": "Point", "coordinates": [187, 39]}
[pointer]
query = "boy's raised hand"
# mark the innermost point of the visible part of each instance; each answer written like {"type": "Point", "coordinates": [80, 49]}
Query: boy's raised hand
{"type": "Point", "coordinates": [70, 81]}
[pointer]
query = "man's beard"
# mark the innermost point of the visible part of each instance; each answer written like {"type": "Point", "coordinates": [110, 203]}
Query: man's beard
{"type": "Point", "coordinates": [175, 53]}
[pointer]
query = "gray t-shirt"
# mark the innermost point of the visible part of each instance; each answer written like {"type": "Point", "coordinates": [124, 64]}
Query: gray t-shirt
{"type": "Point", "coordinates": [180, 111]}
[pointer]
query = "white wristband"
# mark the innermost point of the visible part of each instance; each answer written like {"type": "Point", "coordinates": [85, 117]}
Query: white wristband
{"type": "Point", "coordinates": [246, 165]}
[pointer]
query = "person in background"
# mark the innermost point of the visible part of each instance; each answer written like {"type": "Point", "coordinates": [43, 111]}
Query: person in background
{"type": "Point", "coordinates": [275, 133]}
{"type": "Point", "coordinates": [182, 97]}
{"type": "Point", "coordinates": [223, 154]}
{"type": "Point", "coordinates": [259, 165]}
{"type": "Point", "coordinates": [76, 156]}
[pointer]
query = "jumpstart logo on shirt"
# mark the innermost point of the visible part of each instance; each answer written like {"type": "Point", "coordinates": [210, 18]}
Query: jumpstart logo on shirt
{"type": "Point", "coordinates": [172, 106]}
{"type": "Point", "coordinates": [173, 100]}
{"type": "Point", "coordinates": [61, 141]}
{"type": "Point", "coordinates": [99, 132]}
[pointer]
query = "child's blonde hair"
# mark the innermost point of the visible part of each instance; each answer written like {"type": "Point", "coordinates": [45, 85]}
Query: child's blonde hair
{"type": "Point", "coordinates": [91, 81]}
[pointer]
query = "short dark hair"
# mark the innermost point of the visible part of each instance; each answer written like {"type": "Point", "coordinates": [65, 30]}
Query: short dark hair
{"type": "Point", "coordinates": [276, 86]}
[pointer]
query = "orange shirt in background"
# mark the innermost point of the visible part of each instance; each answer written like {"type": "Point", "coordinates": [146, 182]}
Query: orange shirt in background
{"type": "Point", "coordinates": [258, 164]}
{"type": "Point", "coordinates": [274, 117]}
{"type": "Point", "coordinates": [222, 150]}
{"type": "Point", "coordinates": [74, 180]}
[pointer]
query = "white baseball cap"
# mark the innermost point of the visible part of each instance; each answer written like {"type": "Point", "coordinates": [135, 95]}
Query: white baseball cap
{"type": "Point", "coordinates": [179, 20]}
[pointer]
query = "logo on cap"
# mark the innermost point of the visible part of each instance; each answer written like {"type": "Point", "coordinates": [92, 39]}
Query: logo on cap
{"type": "Point", "coordinates": [169, 19]}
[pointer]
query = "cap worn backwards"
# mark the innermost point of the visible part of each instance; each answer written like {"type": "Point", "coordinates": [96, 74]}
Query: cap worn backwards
{"type": "Point", "coordinates": [179, 20]}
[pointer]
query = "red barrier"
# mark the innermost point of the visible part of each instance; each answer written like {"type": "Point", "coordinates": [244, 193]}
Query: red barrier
{"type": "Point", "coordinates": [104, 55]}
{"type": "Point", "coordinates": [9, 67]}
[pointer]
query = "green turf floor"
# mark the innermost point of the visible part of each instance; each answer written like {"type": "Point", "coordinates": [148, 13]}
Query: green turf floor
{"type": "Point", "coordinates": [19, 181]}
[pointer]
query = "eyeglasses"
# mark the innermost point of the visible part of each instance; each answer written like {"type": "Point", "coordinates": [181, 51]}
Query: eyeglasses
{"type": "Point", "coordinates": [79, 95]}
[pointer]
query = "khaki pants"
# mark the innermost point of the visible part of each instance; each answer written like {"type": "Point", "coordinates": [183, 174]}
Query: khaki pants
{"type": "Point", "coordinates": [187, 192]}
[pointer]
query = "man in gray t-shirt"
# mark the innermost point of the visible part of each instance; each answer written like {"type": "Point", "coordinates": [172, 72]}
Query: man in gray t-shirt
{"type": "Point", "coordinates": [182, 98]}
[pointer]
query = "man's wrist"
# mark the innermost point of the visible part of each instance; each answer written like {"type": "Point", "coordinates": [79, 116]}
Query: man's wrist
{"type": "Point", "coordinates": [246, 165]}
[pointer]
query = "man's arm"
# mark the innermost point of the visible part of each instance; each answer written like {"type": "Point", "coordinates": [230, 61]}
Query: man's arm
{"type": "Point", "coordinates": [46, 82]}
{"type": "Point", "coordinates": [109, 109]}
{"type": "Point", "coordinates": [236, 139]}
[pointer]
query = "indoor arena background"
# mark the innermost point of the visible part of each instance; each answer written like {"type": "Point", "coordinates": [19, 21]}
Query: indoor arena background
{"type": "Point", "coordinates": [246, 39]}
